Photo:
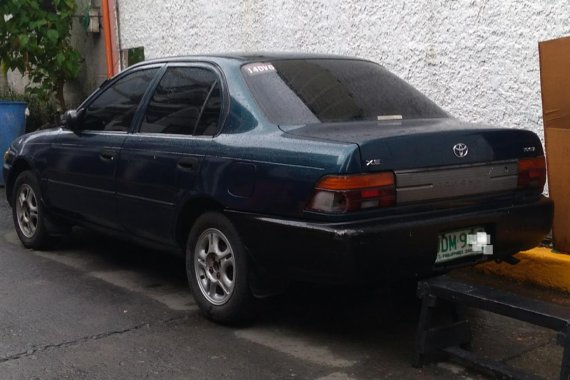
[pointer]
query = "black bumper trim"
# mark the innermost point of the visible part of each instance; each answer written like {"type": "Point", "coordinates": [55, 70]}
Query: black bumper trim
{"type": "Point", "coordinates": [383, 248]}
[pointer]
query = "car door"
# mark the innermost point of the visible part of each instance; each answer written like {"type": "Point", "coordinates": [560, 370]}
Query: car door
{"type": "Point", "coordinates": [82, 163]}
{"type": "Point", "coordinates": [160, 163]}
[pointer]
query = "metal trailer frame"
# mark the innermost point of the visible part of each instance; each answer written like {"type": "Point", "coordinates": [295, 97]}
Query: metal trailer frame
{"type": "Point", "coordinates": [453, 339]}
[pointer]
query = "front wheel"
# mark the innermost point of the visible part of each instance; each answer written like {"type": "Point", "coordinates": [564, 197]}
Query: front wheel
{"type": "Point", "coordinates": [29, 214]}
{"type": "Point", "coordinates": [217, 269]}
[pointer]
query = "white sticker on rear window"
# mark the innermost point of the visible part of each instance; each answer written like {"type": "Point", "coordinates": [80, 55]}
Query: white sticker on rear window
{"type": "Point", "coordinates": [389, 117]}
{"type": "Point", "coordinates": [258, 68]}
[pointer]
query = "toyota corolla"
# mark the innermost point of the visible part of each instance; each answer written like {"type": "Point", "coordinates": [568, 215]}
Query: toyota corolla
{"type": "Point", "coordinates": [264, 169]}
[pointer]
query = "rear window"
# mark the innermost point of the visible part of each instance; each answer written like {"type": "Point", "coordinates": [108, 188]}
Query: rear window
{"type": "Point", "coordinates": [305, 91]}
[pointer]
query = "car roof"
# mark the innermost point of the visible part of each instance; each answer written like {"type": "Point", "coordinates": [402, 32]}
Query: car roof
{"type": "Point", "coordinates": [246, 57]}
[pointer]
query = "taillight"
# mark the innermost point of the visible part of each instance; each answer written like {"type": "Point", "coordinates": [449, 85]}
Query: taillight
{"type": "Point", "coordinates": [346, 193]}
{"type": "Point", "coordinates": [532, 173]}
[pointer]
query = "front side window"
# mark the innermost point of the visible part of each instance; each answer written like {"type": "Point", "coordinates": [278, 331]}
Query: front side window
{"type": "Point", "coordinates": [115, 108]}
{"type": "Point", "coordinates": [307, 91]}
{"type": "Point", "coordinates": [187, 101]}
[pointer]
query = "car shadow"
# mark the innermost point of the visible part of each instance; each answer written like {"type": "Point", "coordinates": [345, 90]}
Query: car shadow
{"type": "Point", "coordinates": [350, 312]}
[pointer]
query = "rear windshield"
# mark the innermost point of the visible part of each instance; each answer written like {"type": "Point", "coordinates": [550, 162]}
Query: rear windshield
{"type": "Point", "coordinates": [305, 91]}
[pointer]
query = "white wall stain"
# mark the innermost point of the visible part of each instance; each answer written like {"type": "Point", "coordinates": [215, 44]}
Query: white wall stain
{"type": "Point", "coordinates": [477, 59]}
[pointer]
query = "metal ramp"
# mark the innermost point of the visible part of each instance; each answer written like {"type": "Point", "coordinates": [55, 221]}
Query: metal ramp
{"type": "Point", "coordinates": [453, 339]}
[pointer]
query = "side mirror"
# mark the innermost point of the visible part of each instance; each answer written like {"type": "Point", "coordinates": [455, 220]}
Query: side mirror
{"type": "Point", "coordinates": [70, 120]}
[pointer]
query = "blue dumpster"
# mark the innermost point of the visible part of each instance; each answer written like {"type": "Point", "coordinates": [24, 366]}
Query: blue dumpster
{"type": "Point", "coordinates": [12, 125]}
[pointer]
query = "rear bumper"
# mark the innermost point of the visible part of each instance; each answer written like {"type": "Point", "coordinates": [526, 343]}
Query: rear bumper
{"type": "Point", "coordinates": [384, 248]}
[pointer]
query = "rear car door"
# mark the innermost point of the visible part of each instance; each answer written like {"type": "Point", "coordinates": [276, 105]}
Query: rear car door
{"type": "Point", "coordinates": [82, 164]}
{"type": "Point", "coordinates": [159, 165]}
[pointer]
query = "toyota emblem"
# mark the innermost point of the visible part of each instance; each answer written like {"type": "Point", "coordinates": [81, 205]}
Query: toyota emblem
{"type": "Point", "coordinates": [460, 150]}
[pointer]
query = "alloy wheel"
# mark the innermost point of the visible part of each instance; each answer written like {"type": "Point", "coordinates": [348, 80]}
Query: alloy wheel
{"type": "Point", "coordinates": [27, 211]}
{"type": "Point", "coordinates": [214, 264]}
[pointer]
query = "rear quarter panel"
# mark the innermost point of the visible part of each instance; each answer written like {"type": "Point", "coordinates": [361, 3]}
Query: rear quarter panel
{"type": "Point", "coordinates": [254, 166]}
{"type": "Point", "coordinates": [271, 173]}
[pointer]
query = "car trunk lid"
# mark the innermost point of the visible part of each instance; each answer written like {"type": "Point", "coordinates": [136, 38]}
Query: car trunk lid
{"type": "Point", "coordinates": [413, 144]}
{"type": "Point", "coordinates": [434, 158]}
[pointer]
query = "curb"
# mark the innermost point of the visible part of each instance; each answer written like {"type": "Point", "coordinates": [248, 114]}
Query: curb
{"type": "Point", "coordinates": [540, 266]}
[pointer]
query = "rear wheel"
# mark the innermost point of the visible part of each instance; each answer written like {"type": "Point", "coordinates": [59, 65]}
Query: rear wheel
{"type": "Point", "coordinates": [29, 214]}
{"type": "Point", "coordinates": [218, 270]}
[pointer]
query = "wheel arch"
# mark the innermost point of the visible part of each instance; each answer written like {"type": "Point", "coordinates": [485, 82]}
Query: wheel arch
{"type": "Point", "coordinates": [20, 165]}
{"type": "Point", "coordinates": [189, 212]}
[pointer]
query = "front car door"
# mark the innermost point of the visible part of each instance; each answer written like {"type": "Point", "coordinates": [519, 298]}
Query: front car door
{"type": "Point", "coordinates": [82, 164]}
{"type": "Point", "coordinates": [160, 163]}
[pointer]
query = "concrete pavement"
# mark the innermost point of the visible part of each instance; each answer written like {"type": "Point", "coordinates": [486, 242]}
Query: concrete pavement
{"type": "Point", "coordinates": [98, 308]}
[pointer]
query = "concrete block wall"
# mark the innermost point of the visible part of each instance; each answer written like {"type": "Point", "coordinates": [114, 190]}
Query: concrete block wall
{"type": "Point", "coordinates": [91, 46]}
{"type": "Point", "coordinates": [478, 59]}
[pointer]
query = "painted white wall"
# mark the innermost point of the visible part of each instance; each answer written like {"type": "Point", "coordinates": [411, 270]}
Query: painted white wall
{"type": "Point", "coordinates": [478, 59]}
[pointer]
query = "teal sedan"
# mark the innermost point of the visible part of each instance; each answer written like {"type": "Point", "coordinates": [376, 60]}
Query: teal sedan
{"type": "Point", "coordinates": [266, 169]}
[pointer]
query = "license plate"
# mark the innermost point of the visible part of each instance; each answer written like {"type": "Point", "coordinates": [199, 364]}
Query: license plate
{"type": "Point", "coordinates": [454, 245]}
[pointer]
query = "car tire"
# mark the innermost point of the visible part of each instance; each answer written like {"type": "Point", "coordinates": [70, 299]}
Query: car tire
{"type": "Point", "coordinates": [218, 270]}
{"type": "Point", "coordinates": [28, 213]}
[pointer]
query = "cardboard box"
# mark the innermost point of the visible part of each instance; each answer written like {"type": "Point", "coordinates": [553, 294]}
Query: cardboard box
{"type": "Point", "coordinates": [555, 83]}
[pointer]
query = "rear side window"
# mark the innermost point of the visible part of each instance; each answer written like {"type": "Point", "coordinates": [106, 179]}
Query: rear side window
{"type": "Point", "coordinates": [114, 109]}
{"type": "Point", "coordinates": [304, 91]}
{"type": "Point", "coordinates": [187, 101]}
